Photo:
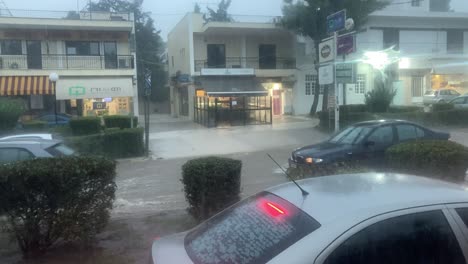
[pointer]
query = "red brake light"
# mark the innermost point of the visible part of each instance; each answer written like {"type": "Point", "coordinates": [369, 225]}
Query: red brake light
{"type": "Point", "coordinates": [272, 209]}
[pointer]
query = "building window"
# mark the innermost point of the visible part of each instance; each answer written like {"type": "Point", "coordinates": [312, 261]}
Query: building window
{"type": "Point", "coordinates": [415, 2]}
{"type": "Point", "coordinates": [11, 47]}
{"type": "Point", "coordinates": [84, 48]}
{"type": "Point", "coordinates": [360, 84]}
{"type": "Point", "coordinates": [216, 55]}
{"type": "Point", "coordinates": [311, 82]}
{"type": "Point", "coordinates": [391, 38]}
{"type": "Point", "coordinates": [455, 41]}
{"type": "Point", "coordinates": [321, 89]}
{"type": "Point", "coordinates": [439, 5]}
{"type": "Point", "coordinates": [417, 86]}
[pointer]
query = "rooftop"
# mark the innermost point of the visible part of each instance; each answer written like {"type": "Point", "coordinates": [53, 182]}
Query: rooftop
{"type": "Point", "coordinates": [369, 194]}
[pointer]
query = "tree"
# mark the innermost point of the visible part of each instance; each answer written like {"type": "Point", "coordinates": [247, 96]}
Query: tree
{"type": "Point", "coordinates": [197, 9]}
{"type": "Point", "coordinates": [220, 15]}
{"type": "Point", "coordinates": [309, 18]}
{"type": "Point", "coordinates": [149, 44]}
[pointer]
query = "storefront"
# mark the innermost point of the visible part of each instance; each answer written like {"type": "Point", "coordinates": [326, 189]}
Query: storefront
{"type": "Point", "coordinates": [97, 96]}
{"type": "Point", "coordinates": [458, 82]}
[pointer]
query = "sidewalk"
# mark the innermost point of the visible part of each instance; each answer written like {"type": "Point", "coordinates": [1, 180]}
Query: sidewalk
{"type": "Point", "coordinates": [178, 139]}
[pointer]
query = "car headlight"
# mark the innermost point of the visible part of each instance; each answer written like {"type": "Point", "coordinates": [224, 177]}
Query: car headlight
{"type": "Point", "coordinates": [313, 160]}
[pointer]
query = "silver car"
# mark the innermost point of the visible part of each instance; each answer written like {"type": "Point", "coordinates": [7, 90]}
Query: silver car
{"type": "Point", "coordinates": [29, 136]}
{"type": "Point", "coordinates": [24, 149]}
{"type": "Point", "coordinates": [439, 96]}
{"type": "Point", "coordinates": [359, 218]}
{"type": "Point", "coordinates": [460, 102]}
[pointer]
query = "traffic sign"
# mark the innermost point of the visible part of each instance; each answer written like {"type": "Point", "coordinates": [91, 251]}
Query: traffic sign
{"type": "Point", "coordinates": [326, 51]}
{"type": "Point", "coordinates": [345, 72]}
{"type": "Point", "coordinates": [147, 88]}
{"type": "Point", "coordinates": [326, 74]}
{"type": "Point", "coordinates": [345, 45]}
{"type": "Point", "coordinates": [336, 21]}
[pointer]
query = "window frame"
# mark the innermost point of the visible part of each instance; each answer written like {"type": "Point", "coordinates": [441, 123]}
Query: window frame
{"type": "Point", "coordinates": [453, 46]}
{"type": "Point", "coordinates": [415, 3]}
{"type": "Point", "coordinates": [67, 43]}
{"type": "Point", "coordinates": [394, 136]}
{"type": "Point", "coordinates": [20, 149]}
{"type": "Point", "coordinates": [398, 140]}
{"type": "Point", "coordinates": [361, 84]}
{"type": "Point", "coordinates": [331, 247]}
{"type": "Point", "coordinates": [451, 208]}
{"type": "Point", "coordinates": [311, 80]}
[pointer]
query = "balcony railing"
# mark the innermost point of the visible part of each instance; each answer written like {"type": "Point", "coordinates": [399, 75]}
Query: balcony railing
{"type": "Point", "coordinates": [272, 63]}
{"type": "Point", "coordinates": [65, 62]}
{"type": "Point", "coordinates": [69, 15]}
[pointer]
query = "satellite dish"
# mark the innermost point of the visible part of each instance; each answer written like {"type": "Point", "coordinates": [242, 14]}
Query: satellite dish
{"type": "Point", "coordinates": [349, 24]}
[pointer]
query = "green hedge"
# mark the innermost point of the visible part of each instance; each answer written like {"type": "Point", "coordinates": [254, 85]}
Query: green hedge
{"type": "Point", "coordinates": [442, 107]}
{"type": "Point", "coordinates": [114, 143]}
{"type": "Point", "coordinates": [35, 125]}
{"type": "Point", "coordinates": [85, 125]}
{"type": "Point", "coordinates": [120, 121]}
{"type": "Point", "coordinates": [47, 200]}
{"type": "Point", "coordinates": [439, 159]}
{"type": "Point", "coordinates": [353, 108]}
{"type": "Point", "coordinates": [10, 112]}
{"type": "Point", "coordinates": [211, 184]}
{"type": "Point", "coordinates": [404, 109]}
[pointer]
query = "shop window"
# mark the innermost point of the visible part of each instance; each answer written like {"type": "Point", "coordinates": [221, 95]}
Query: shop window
{"type": "Point", "coordinates": [417, 86]}
{"type": "Point", "coordinates": [391, 38]}
{"type": "Point", "coordinates": [37, 101]}
{"type": "Point", "coordinates": [11, 47]}
{"type": "Point", "coordinates": [84, 48]}
{"type": "Point", "coordinates": [310, 84]}
{"type": "Point", "coordinates": [455, 41]}
{"type": "Point", "coordinates": [360, 84]}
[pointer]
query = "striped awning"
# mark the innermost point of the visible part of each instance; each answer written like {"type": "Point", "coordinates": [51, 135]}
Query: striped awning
{"type": "Point", "coordinates": [25, 85]}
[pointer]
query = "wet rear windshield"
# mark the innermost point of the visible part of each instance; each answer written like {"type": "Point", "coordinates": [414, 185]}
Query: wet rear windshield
{"type": "Point", "coordinates": [60, 150]}
{"type": "Point", "coordinates": [252, 231]}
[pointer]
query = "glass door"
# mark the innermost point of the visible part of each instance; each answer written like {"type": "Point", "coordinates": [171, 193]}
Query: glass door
{"type": "Point", "coordinates": [34, 57]}
{"type": "Point", "coordinates": [110, 55]}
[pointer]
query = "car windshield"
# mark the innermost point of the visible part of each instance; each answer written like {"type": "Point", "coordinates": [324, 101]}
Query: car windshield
{"type": "Point", "coordinates": [252, 231]}
{"type": "Point", "coordinates": [60, 150]}
{"type": "Point", "coordinates": [351, 135]}
{"type": "Point", "coordinates": [431, 92]}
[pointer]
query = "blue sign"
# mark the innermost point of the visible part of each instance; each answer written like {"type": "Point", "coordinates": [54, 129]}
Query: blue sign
{"type": "Point", "coordinates": [336, 21]}
{"type": "Point", "coordinates": [147, 89]}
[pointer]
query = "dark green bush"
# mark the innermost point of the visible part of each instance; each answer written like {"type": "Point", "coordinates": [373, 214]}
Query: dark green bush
{"type": "Point", "coordinates": [47, 200]}
{"type": "Point", "coordinates": [10, 112]}
{"type": "Point", "coordinates": [114, 143]}
{"type": "Point", "coordinates": [328, 169]}
{"type": "Point", "coordinates": [442, 107]}
{"type": "Point", "coordinates": [379, 99]}
{"type": "Point", "coordinates": [404, 109]}
{"type": "Point", "coordinates": [353, 108]}
{"type": "Point", "coordinates": [120, 121]}
{"type": "Point", "coordinates": [35, 125]}
{"type": "Point", "coordinates": [438, 159]}
{"type": "Point", "coordinates": [211, 184]}
{"type": "Point", "coordinates": [85, 125]}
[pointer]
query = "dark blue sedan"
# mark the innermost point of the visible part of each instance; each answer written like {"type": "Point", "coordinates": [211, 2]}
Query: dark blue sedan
{"type": "Point", "coordinates": [62, 119]}
{"type": "Point", "coordinates": [362, 141]}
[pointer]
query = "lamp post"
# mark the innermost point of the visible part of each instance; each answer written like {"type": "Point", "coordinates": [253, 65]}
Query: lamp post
{"type": "Point", "coordinates": [54, 77]}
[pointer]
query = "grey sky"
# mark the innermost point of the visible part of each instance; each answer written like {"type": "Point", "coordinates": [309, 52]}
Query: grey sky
{"type": "Point", "coordinates": [167, 13]}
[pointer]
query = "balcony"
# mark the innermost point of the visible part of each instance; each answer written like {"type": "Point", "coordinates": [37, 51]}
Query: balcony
{"type": "Point", "coordinates": [272, 63]}
{"type": "Point", "coordinates": [66, 62]}
{"type": "Point", "coordinates": [67, 15]}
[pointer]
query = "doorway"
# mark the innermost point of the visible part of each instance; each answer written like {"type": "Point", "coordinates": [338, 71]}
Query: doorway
{"type": "Point", "coordinates": [267, 56]}
{"type": "Point", "coordinates": [110, 55]}
{"type": "Point", "coordinates": [34, 57]}
{"type": "Point", "coordinates": [216, 55]}
{"type": "Point", "coordinates": [277, 102]}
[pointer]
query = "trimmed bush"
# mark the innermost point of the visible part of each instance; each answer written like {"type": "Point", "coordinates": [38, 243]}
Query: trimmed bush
{"type": "Point", "coordinates": [211, 184]}
{"type": "Point", "coordinates": [353, 108]}
{"type": "Point", "coordinates": [10, 112]}
{"type": "Point", "coordinates": [439, 159]}
{"type": "Point", "coordinates": [379, 99]}
{"type": "Point", "coordinates": [303, 172]}
{"type": "Point", "coordinates": [404, 109]}
{"type": "Point", "coordinates": [120, 121]}
{"type": "Point", "coordinates": [85, 125]}
{"type": "Point", "coordinates": [35, 125]}
{"type": "Point", "coordinates": [442, 107]}
{"type": "Point", "coordinates": [47, 200]}
{"type": "Point", "coordinates": [114, 143]}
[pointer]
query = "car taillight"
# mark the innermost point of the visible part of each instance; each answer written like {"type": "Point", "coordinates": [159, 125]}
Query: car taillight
{"type": "Point", "coordinates": [272, 208]}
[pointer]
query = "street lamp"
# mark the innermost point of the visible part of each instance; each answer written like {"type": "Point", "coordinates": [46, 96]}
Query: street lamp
{"type": "Point", "coordinates": [54, 77]}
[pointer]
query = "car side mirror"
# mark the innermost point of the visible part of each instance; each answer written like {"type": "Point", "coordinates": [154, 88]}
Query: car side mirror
{"type": "Point", "coordinates": [369, 143]}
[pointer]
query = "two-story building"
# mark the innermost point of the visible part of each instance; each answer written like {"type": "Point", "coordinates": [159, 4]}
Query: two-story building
{"type": "Point", "coordinates": [221, 59]}
{"type": "Point", "coordinates": [432, 47]}
{"type": "Point", "coordinates": [91, 52]}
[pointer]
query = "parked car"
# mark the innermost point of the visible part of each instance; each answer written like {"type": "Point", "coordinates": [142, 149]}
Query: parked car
{"type": "Point", "coordinates": [30, 136]}
{"type": "Point", "coordinates": [362, 141]}
{"type": "Point", "coordinates": [360, 218]}
{"type": "Point", "coordinates": [28, 148]}
{"type": "Point", "coordinates": [460, 102]}
{"type": "Point", "coordinates": [62, 119]}
{"type": "Point", "coordinates": [439, 96]}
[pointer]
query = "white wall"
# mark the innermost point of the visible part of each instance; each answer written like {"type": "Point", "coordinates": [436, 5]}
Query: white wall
{"type": "Point", "coordinates": [179, 47]}
{"type": "Point", "coordinates": [414, 42]}
{"type": "Point", "coordinates": [302, 102]}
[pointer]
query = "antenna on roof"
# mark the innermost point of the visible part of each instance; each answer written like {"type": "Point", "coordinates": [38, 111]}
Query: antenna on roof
{"type": "Point", "coordinates": [4, 11]}
{"type": "Point", "coordinates": [304, 192]}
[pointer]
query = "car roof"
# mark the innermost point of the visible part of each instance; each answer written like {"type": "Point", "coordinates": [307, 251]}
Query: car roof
{"type": "Point", "coordinates": [381, 122]}
{"type": "Point", "coordinates": [367, 194]}
{"type": "Point", "coordinates": [24, 142]}
{"type": "Point", "coordinates": [32, 136]}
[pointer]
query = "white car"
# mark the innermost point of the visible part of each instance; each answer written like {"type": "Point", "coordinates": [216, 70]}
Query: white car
{"type": "Point", "coordinates": [359, 218]}
{"type": "Point", "coordinates": [29, 136]}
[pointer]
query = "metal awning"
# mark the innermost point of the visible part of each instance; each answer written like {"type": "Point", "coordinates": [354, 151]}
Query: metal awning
{"type": "Point", "coordinates": [26, 85]}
